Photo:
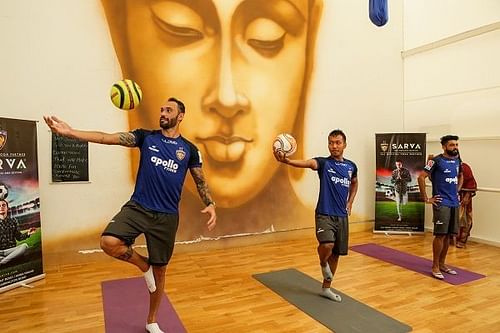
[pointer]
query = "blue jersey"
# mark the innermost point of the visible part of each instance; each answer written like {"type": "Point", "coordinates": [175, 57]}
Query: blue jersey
{"type": "Point", "coordinates": [334, 183]}
{"type": "Point", "coordinates": [444, 173]}
{"type": "Point", "coordinates": [162, 169]}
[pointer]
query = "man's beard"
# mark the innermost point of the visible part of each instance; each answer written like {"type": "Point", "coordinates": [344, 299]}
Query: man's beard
{"type": "Point", "coordinates": [453, 152]}
{"type": "Point", "coordinates": [169, 123]}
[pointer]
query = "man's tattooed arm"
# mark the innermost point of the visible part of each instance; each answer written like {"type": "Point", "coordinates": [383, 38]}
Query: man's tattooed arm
{"type": "Point", "coordinates": [201, 185]}
{"type": "Point", "coordinates": [127, 139]}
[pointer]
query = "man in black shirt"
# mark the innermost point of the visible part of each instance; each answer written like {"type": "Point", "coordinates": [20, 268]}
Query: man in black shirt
{"type": "Point", "coordinates": [400, 178]}
{"type": "Point", "coordinates": [9, 234]}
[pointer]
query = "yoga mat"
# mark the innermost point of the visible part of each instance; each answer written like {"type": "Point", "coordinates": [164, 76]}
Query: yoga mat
{"type": "Point", "coordinates": [126, 304]}
{"type": "Point", "coordinates": [414, 263]}
{"type": "Point", "coordinates": [348, 316]}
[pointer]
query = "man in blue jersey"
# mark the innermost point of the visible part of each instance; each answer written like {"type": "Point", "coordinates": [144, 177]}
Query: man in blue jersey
{"type": "Point", "coordinates": [445, 172]}
{"type": "Point", "coordinates": [338, 179]}
{"type": "Point", "coordinates": [152, 210]}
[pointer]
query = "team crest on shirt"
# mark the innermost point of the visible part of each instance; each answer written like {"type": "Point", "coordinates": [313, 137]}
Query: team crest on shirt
{"type": "Point", "coordinates": [180, 153]}
{"type": "Point", "coordinates": [349, 172]}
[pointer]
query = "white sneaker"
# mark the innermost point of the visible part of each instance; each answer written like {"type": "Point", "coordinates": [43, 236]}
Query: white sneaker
{"type": "Point", "coordinates": [153, 328]}
{"type": "Point", "coordinates": [150, 279]}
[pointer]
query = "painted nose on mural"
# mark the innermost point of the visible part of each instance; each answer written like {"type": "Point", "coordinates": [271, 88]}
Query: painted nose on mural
{"type": "Point", "coordinates": [223, 98]}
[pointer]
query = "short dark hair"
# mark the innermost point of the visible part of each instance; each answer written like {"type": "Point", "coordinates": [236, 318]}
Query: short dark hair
{"type": "Point", "coordinates": [446, 138]}
{"type": "Point", "coordinates": [180, 106]}
{"type": "Point", "coordinates": [399, 160]}
{"type": "Point", "coordinates": [337, 132]}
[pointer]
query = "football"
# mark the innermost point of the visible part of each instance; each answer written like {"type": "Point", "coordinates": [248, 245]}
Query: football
{"type": "Point", "coordinates": [285, 143]}
{"type": "Point", "coordinates": [4, 191]}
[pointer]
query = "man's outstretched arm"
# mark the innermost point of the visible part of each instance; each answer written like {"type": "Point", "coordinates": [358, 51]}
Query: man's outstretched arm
{"type": "Point", "coordinates": [281, 157]}
{"type": "Point", "coordinates": [58, 126]}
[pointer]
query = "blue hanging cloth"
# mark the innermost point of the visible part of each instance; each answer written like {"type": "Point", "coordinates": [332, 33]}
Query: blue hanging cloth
{"type": "Point", "coordinates": [379, 14]}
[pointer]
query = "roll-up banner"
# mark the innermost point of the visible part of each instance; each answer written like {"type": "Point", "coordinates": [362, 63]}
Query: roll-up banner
{"type": "Point", "coordinates": [400, 159]}
{"type": "Point", "coordinates": [20, 227]}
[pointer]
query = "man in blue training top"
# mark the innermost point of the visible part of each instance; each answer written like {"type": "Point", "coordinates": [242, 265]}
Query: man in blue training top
{"type": "Point", "coordinates": [152, 210]}
{"type": "Point", "coordinates": [445, 172]}
{"type": "Point", "coordinates": [338, 179]}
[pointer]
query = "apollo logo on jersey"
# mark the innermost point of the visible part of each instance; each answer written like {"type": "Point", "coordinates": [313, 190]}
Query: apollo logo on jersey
{"type": "Point", "coordinates": [342, 181]}
{"type": "Point", "coordinates": [169, 165]}
{"type": "Point", "coordinates": [450, 180]}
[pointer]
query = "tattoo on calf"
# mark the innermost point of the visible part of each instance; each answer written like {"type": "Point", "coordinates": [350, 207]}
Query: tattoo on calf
{"type": "Point", "coordinates": [127, 255]}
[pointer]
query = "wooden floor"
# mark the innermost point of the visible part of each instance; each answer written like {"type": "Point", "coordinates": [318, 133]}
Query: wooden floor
{"type": "Point", "coordinates": [213, 291]}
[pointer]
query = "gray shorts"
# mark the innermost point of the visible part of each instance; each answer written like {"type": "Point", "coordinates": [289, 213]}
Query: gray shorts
{"type": "Point", "coordinates": [333, 229]}
{"type": "Point", "coordinates": [159, 230]}
{"type": "Point", "coordinates": [445, 220]}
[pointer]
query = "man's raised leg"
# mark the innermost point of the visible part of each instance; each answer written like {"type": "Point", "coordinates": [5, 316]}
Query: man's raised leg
{"type": "Point", "coordinates": [117, 248]}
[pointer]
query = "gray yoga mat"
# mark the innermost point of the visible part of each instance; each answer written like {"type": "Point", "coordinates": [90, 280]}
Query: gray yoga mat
{"type": "Point", "coordinates": [349, 316]}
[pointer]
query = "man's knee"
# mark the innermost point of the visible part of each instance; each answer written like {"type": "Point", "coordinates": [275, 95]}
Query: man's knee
{"type": "Point", "coordinates": [112, 245]}
{"type": "Point", "coordinates": [440, 237]}
{"type": "Point", "coordinates": [159, 271]}
{"type": "Point", "coordinates": [326, 246]}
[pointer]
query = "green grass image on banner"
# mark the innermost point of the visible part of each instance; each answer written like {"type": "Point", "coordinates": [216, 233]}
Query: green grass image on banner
{"type": "Point", "coordinates": [35, 240]}
{"type": "Point", "coordinates": [386, 210]}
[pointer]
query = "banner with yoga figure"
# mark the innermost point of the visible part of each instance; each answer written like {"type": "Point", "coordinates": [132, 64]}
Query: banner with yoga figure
{"type": "Point", "coordinates": [400, 159]}
{"type": "Point", "coordinates": [20, 228]}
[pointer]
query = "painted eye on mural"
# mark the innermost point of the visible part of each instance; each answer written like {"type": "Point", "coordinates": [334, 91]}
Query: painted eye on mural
{"type": "Point", "coordinates": [178, 21]}
{"type": "Point", "coordinates": [265, 36]}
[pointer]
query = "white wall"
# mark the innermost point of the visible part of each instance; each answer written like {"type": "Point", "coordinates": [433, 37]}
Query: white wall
{"type": "Point", "coordinates": [455, 89]}
{"type": "Point", "coordinates": [429, 20]}
{"type": "Point", "coordinates": [358, 88]}
{"type": "Point", "coordinates": [56, 59]}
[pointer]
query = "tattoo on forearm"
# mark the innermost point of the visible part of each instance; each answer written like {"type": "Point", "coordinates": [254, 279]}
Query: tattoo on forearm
{"type": "Point", "coordinates": [127, 139]}
{"type": "Point", "coordinates": [201, 185]}
{"type": "Point", "coordinates": [127, 255]}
